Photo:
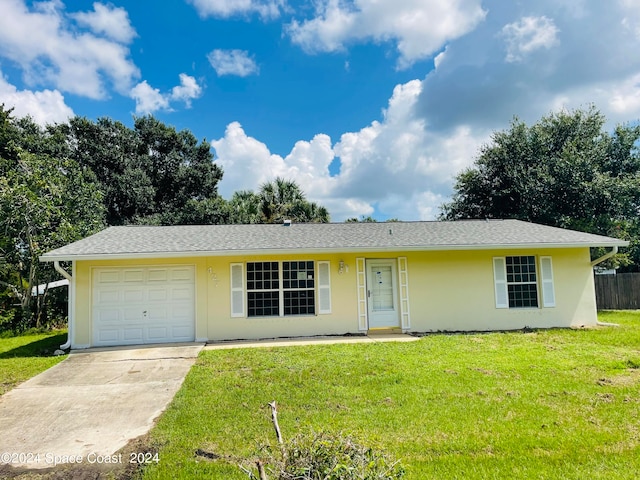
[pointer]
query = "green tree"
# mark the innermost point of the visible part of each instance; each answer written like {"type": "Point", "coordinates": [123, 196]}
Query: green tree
{"type": "Point", "coordinates": [278, 198]}
{"type": "Point", "coordinates": [564, 170]}
{"type": "Point", "coordinates": [181, 170]}
{"type": "Point", "coordinates": [283, 199]}
{"type": "Point", "coordinates": [245, 207]}
{"type": "Point", "coordinates": [45, 202]}
{"type": "Point", "coordinates": [151, 174]}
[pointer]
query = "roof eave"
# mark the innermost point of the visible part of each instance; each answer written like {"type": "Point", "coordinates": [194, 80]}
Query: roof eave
{"type": "Point", "coordinates": [285, 251]}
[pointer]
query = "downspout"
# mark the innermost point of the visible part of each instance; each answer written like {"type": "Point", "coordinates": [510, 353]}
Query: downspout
{"type": "Point", "coordinates": [601, 259]}
{"type": "Point", "coordinates": [70, 307]}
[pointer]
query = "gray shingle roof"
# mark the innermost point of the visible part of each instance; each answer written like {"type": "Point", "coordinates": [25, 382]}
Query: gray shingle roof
{"type": "Point", "coordinates": [147, 241]}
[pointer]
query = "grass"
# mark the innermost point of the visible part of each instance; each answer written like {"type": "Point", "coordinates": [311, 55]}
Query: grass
{"type": "Point", "coordinates": [543, 404]}
{"type": "Point", "coordinates": [25, 356]}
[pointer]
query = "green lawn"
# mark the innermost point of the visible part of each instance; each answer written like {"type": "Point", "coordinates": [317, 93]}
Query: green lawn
{"type": "Point", "coordinates": [542, 404]}
{"type": "Point", "coordinates": [25, 356]}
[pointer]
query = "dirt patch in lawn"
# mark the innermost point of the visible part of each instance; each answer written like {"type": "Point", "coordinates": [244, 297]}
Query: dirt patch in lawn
{"type": "Point", "coordinates": [128, 461]}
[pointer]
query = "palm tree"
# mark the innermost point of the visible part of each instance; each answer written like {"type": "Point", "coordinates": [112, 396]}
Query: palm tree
{"type": "Point", "coordinates": [245, 207]}
{"type": "Point", "coordinates": [283, 199]}
{"type": "Point", "coordinates": [309, 212]}
{"type": "Point", "coordinates": [278, 198]}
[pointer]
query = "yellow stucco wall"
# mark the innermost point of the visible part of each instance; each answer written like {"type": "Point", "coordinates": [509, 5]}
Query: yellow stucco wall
{"type": "Point", "coordinates": [448, 291]}
{"type": "Point", "coordinates": [455, 291]}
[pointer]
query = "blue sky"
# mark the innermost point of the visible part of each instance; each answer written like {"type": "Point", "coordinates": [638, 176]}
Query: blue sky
{"type": "Point", "coordinates": [371, 106]}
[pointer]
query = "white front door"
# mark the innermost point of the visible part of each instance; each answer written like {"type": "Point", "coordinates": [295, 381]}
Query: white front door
{"type": "Point", "coordinates": [136, 305]}
{"type": "Point", "coordinates": [382, 294]}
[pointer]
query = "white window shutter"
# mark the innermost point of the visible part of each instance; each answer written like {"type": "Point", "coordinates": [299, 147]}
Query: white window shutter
{"type": "Point", "coordinates": [324, 287]}
{"type": "Point", "coordinates": [500, 282]}
{"type": "Point", "coordinates": [546, 275]}
{"type": "Point", "coordinates": [237, 290]}
{"type": "Point", "coordinates": [361, 279]}
{"type": "Point", "coordinates": [404, 292]}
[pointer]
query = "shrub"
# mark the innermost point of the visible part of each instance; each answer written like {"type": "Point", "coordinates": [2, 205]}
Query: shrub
{"type": "Point", "coordinates": [325, 456]}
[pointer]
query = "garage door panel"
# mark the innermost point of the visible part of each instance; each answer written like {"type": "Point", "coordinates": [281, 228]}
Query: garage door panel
{"type": "Point", "coordinates": [109, 316]}
{"type": "Point", "coordinates": [133, 334]}
{"type": "Point", "coordinates": [133, 276]}
{"type": "Point", "coordinates": [156, 275]}
{"type": "Point", "coordinates": [108, 297]}
{"type": "Point", "coordinates": [181, 332]}
{"type": "Point", "coordinates": [182, 315]}
{"type": "Point", "coordinates": [131, 315]}
{"type": "Point", "coordinates": [105, 277]}
{"type": "Point", "coordinates": [156, 334]}
{"type": "Point", "coordinates": [134, 295]}
{"type": "Point", "coordinates": [158, 314]}
{"type": "Point", "coordinates": [184, 275]}
{"type": "Point", "coordinates": [158, 294]}
{"type": "Point", "coordinates": [143, 305]}
{"type": "Point", "coordinates": [108, 335]}
{"type": "Point", "coordinates": [182, 294]}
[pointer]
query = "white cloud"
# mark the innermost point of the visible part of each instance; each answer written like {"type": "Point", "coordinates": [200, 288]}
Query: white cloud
{"type": "Point", "coordinates": [149, 99]}
{"type": "Point", "coordinates": [229, 8]}
{"type": "Point", "coordinates": [232, 62]}
{"type": "Point", "coordinates": [45, 106]}
{"type": "Point", "coordinates": [399, 164]}
{"type": "Point", "coordinates": [40, 40]}
{"type": "Point", "coordinates": [594, 63]}
{"type": "Point", "coordinates": [439, 58]}
{"type": "Point", "coordinates": [109, 21]}
{"type": "Point", "coordinates": [625, 96]}
{"type": "Point", "coordinates": [403, 165]}
{"type": "Point", "coordinates": [187, 90]}
{"type": "Point", "coordinates": [418, 27]}
{"type": "Point", "coordinates": [246, 161]}
{"type": "Point", "coordinates": [528, 35]}
{"type": "Point", "coordinates": [395, 165]}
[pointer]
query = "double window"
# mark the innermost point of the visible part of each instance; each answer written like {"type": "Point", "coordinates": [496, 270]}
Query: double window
{"type": "Point", "coordinates": [518, 282]}
{"type": "Point", "coordinates": [280, 288]}
{"type": "Point", "coordinates": [273, 287]}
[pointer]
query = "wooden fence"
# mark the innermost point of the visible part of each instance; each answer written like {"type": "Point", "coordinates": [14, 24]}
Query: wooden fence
{"type": "Point", "coordinates": [618, 292]}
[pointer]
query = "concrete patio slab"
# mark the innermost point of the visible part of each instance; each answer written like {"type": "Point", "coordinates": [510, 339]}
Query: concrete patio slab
{"type": "Point", "coordinates": [90, 405]}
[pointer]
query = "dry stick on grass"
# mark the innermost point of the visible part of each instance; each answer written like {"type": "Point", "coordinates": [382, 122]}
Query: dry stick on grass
{"type": "Point", "coordinates": [261, 472]}
{"type": "Point", "coordinates": [274, 417]}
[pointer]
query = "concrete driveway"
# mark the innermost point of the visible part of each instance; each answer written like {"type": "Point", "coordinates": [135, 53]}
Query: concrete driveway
{"type": "Point", "coordinates": [90, 405]}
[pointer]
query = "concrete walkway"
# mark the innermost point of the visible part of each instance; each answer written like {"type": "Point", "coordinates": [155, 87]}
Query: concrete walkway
{"type": "Point", "coordinates": [91, 404]}
{"type": "Point", "coordinates": [290, 342]}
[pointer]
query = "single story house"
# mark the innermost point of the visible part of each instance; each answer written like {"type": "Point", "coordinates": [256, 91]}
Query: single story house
{"type": "Point", "coordinates": [150, 284]}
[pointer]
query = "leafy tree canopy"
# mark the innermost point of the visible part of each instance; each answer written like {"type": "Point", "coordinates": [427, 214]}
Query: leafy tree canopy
{"type": "Point", "coordinates": [565, 170]}
{"type": "Point", "coordinates": [45, 202]}
{"type": "Point", "coordinates": [150, 174]}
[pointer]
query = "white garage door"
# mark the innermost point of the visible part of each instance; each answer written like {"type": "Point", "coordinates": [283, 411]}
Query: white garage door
{"type": "Point", "coordinates": [143, 305]}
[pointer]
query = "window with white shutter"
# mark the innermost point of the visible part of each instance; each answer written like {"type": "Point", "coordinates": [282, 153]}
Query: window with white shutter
{"type": "Point", "coordinates": [546, 276]}
{"type": "Point", "coordinates": [500, 282]}
{"type": "Point", "coordinates": [237, 290]}
{"type": "Point", "coordinates": [324, 287]}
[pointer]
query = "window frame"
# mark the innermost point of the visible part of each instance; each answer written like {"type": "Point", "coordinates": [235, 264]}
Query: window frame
{"type": "Point", "coordinates": [263, 292]}
{"type": "Point", "coordinates": [291, 289]}
{"type": "Point", "coordinates": [281, 290]}
{"type": "Point", "coordinates": [531, 262]}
